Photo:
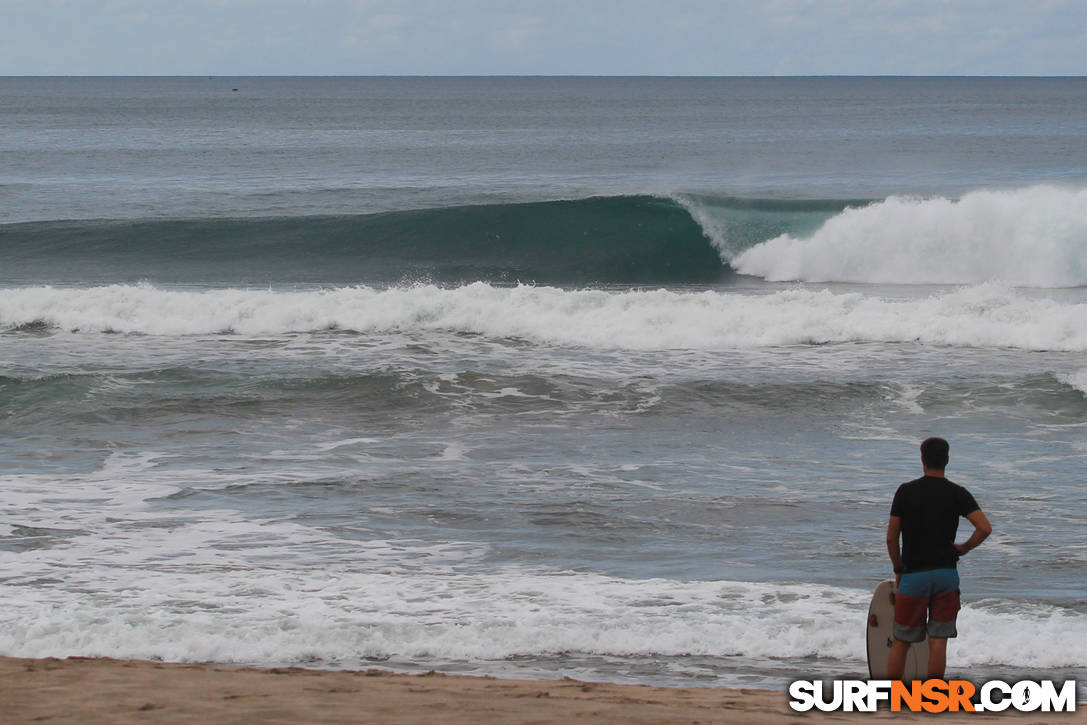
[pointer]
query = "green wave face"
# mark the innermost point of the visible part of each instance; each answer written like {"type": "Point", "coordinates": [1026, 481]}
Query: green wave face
{"type": "Point", "coordinates": [601, 240]}
{"type": "Point", "coordinates": [737, 224]}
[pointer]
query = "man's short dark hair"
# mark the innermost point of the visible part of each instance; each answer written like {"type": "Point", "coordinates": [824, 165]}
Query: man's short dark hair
{"type": "Point", "coordinates": [934, 453]}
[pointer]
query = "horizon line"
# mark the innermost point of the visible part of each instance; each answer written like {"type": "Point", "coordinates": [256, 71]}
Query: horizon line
{"type": "Point", "coordinates": [529, 75]}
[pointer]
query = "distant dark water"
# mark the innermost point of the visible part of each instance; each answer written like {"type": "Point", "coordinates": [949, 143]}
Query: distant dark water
{"type": "Point", "coordinates": [191, 147]}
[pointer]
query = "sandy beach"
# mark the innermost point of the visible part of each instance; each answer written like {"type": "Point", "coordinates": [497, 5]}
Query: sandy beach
{"type": "Point", "coordinates": [86, 690]}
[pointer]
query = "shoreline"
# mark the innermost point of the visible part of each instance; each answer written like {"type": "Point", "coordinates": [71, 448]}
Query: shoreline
{"type": "Point", "coordinates": [104, 690]}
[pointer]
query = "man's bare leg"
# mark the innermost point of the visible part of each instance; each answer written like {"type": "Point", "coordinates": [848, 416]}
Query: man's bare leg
{"type": "Point", "coordinates": [896, 661]}
{"type": "Point", "coordinates": [937, 657]}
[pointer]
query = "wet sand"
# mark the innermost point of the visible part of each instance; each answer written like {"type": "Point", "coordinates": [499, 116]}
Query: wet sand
{"type": "Point", "coordinates": [83, 690]}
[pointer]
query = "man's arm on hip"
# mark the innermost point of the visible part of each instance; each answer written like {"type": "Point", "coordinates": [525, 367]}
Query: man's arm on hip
{"type": "Point", "coordinates": [982, 529]}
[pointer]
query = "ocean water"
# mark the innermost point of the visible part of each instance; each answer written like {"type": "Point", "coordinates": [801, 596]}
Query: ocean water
{"type": "Point", "coordinates": [608, 378]}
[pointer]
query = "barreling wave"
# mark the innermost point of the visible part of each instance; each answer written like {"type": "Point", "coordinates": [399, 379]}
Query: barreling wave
{"type": "Point", "coordinates": [1032, 237]}
{"type": "Point", "coordinates": [634, 239]}
{"type": "Point", "coordinates": [983, 316]}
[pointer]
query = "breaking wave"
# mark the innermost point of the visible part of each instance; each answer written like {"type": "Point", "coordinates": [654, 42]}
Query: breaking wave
{"type": "Point", "coordinates": [982, 316]}
{"type": "Point", "coordinates": [1034, 237]}
{"type": "Point", "coordinates": [1030, 237]}
{"type": "Point", "coordinates": [625, 240]}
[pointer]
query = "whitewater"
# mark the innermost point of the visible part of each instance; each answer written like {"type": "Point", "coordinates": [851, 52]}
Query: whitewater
{"type": "Point", "coordinates": [1033, 237]}
{"type": "Point", "coordinates": [243, 590]}
{"type": "Point", "coordinates": [983, 316]}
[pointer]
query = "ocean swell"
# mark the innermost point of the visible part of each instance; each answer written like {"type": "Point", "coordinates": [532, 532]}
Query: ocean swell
{"type": "Point", "coordinates": [621, 240]}
{"type": "Point", "coordinates": [1030, 237]}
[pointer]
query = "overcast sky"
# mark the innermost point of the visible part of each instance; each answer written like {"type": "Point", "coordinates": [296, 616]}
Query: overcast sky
{"type": "Point", "coordinates": [517, 37]}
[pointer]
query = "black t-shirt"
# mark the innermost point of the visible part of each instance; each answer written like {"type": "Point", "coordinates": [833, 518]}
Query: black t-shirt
{"type": "Point", "coordinates": [930, 508]}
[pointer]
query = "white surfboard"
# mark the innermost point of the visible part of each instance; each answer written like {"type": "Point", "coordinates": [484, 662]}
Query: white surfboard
{"type": "Point", "coordinates": [881, 617]}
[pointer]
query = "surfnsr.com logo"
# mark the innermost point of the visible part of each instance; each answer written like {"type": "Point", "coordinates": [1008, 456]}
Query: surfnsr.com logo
{"type": "Point", "coordinates": [933, 696]}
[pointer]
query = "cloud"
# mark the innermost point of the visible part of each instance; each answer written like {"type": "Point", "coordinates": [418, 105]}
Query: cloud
{"type": "Point", "coordinates": [516, 32]}
{"type": "Point", "coordinates": [740, 37]}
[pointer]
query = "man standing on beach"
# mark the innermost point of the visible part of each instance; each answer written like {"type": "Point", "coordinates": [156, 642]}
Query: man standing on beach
{"type": "Point", "coordinates": [926, 513]}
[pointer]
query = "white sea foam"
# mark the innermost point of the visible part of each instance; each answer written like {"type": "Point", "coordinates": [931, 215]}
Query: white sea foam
{"type": "Point", "coordinates": [1077, 380]}
{"type": "Point", "coordinates": [133, 580]}
{"type": "Point", "coordinates": [333, 614]}
{"type": "Point", "coordinates": [986, 315]}
{"type": "Point", "coordinates": [1034, 237]}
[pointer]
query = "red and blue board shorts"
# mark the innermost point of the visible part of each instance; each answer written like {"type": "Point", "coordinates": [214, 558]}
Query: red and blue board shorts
{"type": "Point", "coordinates": [927, 601]}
